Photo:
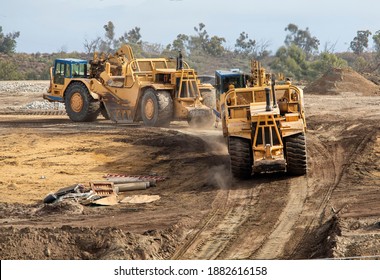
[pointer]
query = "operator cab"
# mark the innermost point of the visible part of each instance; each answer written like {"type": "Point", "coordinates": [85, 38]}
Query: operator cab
{"type": "Point", "coordinates": [69, 68]}
{"type": "Point", "coordinates": [225, 78]}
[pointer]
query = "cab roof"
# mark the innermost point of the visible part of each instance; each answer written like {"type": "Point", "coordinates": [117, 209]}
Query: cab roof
{"type": "Point", "coordinates": [232, 72]}
{"type": "Point", "coordinates": [71, 60]}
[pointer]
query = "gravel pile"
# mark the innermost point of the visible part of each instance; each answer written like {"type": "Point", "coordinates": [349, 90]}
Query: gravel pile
{"type": "Point", "coordinates": [27, 98]}
{"type": "Point", "coordinates": [24, 86]}
{"type": "Point", "coordinates": [43, 105]}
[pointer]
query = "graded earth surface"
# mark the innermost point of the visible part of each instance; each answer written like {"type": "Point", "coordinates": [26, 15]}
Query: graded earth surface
{"type": "Point", "coordinates": [199, 211]}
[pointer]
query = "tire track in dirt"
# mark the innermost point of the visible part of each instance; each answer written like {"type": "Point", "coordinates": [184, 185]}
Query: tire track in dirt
{"type": "Point", "coordinates": [231, 227]}
{"type": "Point", "coordinates": [301, 211]}
{"type": "Point", "coordinates": [273, 245]}
{"type": "Point", "coordinates": [335, 158]}
{"type": "Point", "coordinates": [231, 209]}
{"type": "Point", "coordinates": [194, 236]}
{"type": "Point", "coordinates": [297, 215]}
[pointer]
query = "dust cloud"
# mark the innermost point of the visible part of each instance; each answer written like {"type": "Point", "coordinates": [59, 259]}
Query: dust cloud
{"type": "Point", "coordinates": [212, 137]}
{"type": "Point", "coordinates": [221, 176]}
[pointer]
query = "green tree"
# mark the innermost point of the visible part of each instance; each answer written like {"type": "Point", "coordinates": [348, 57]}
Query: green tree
{"type": "Point", "coordinates": [325, 62]}
{"type": "Point", "coordinates": [376, 41]}
{"type": "Point", "coordinates": [9, 71]}
{"type": "Point", "coordinates": [198, 42]}
{"type": "Point", "coordinates": [110, 31]}
{"type": "Point", "coordinates": [8, 42]}
{"type": "Point", "coordinates": [203, 43]}
{"type": "Point", "coordinates": [361, 64]}
{"type": "Point", "coordinates": [251, 48]}
{"type": "Point", "coordinates": [360, 42]}
{"type": "Point", "coordinates": [179, 44]}
{"type": "Point", "coordinates": [291, 61]}
{"type": "Point", "coordinates": [109, 43]}
{"type": "Point", "coordinates": [215, 46]}
{"type": "Point", "coordinates": [133, 36]}
{"type": "Point", "coordinates": [302, 39]}
{"type": "Point", "coordinates": [244, 45]}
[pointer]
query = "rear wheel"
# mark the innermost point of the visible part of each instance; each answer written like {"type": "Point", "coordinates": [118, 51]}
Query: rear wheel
{"type": "Point", "coordinates": [241, 159]}
{"type": "Point", "coordinates": [156, 108]}
{"type": "Point", "coordinates": [296, 158]}
{"type": "Point", "coordinates": [80, 105]}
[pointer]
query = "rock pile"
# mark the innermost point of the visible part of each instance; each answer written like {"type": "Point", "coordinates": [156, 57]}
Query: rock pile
{"type": "Point", "coordinates": [43, 105]}
{"type": "Point", "coordinates": [24, 86]}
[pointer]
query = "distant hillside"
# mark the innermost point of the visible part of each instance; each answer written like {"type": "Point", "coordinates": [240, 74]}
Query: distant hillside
{"type": "Point", "coordinates": [22, 66]}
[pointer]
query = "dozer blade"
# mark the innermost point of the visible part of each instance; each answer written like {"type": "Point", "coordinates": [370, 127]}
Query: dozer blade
{"type": "Point", "coordinates": [200, 112]}
{"type": "Point", "coordinates": [269, 165]}
{"type": "Point", "coordinates": [118, 110]}
{"type": "Point", "coordinates": [201, 116]}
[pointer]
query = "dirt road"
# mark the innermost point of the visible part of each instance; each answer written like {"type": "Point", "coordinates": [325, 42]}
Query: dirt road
{"type": "Point", "coordinates": [202, 212]}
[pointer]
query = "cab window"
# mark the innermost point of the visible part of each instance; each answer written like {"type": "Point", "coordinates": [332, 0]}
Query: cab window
{"type": "Point", "coordinates": [79, 70]}
{"type": "Point", "coordinates": [67, 71]}
{"type": "Point", "coordinates": [59, 72]}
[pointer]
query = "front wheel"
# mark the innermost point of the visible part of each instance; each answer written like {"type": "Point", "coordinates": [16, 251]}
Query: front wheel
{"type": "Point", "coordinates": [80, 105]}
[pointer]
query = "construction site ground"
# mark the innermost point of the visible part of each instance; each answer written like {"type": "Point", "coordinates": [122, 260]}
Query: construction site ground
{"type": "Point", "coordinates": [201, 213]}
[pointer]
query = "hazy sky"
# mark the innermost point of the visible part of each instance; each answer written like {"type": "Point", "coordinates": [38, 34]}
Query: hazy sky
{"type": "Point", "coordinates": [53, 25]}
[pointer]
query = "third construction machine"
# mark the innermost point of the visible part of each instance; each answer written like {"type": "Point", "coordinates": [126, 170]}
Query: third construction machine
{"type": "Point", "coordinates": [127, 89]}
{"type": "Point", "coordinates": [263, 122]}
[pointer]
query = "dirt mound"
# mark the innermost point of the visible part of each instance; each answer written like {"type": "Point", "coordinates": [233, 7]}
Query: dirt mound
{"type": "Point", "coordinates": [68, 242]}
{"type": "Point", "coordinates": [345, 80]}
{"type": "Point", "coordinates": [359, 239]}
{"type": "Point", "coordinates": [63, 207]}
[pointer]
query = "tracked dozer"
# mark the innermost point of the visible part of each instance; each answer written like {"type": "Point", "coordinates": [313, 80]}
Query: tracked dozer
{"type": "Point", "coordinates": [263, 122]}
{"type": "Point", "coordinates": [126, 89]}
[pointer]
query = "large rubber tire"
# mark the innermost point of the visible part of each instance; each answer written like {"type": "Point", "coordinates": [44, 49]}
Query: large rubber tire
{"type": "Point", "coordinates": [296, 158]}
{"type": "Point", "coordinates": [209, 98]}
{"type": "Point", "coordinates": [156, 108]}
{"type": "Point", "coordinates": [241, 159]}
{"type": "Point", "coordinates": [80, 105]}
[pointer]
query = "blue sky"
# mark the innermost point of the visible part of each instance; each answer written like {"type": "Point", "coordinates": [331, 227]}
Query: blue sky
{"type": "Point", "coordinates": [53, 25]}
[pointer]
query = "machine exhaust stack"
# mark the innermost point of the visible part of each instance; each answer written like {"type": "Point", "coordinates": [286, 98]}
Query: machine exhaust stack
{"type": "Point", "coordinates": [267, 97]}
{"type": "Point", "coordinates": [273, 83]}
{"type": "Point", "coordinates": [179, 61]}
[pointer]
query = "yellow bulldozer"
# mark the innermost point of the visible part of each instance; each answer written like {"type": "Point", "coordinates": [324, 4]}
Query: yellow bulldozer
{"type": "Point", "coordinates": [126, 89]}
{"type": "Point", "coordinates": [263, 122]}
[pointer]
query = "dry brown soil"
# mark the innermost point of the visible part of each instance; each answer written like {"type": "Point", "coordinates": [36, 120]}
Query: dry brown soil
{"type": "Point", "coordinates": [202, 213]}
